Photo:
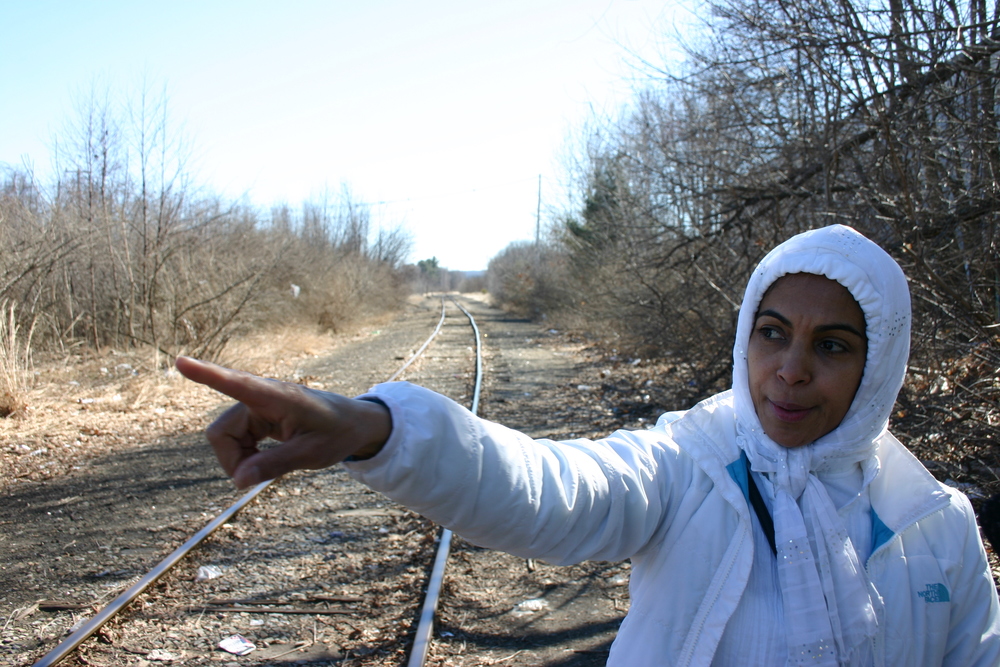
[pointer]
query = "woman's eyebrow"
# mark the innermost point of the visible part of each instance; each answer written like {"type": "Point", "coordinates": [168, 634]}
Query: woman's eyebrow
{"type": "Point", "coordinates": [775, 314]}
{"type": "Point", "coordinates": [842, 327]}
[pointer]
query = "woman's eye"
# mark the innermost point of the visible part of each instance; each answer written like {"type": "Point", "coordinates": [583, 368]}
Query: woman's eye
{"type": "Point", "coordinates": [770, 333]}
{"type": "Point", "coordinates": [832, 346]}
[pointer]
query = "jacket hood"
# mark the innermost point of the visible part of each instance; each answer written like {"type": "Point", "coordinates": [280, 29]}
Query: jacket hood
{"type": "Point", "coordinates": [878, 285]}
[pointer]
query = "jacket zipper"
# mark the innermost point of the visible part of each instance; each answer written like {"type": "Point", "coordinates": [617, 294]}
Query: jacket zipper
{"type": "Point", "coordinates": [877, 640]}
{"type": "Point", "coordinates": [686, 658]}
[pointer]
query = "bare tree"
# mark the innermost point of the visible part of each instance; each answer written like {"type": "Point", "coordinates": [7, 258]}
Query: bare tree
{"type": "Point", "coordinates": [788, 116]}
{"type": "Point", "coordinates": [123, 250]}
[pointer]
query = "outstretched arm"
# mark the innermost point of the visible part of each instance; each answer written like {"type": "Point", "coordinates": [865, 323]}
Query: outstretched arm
{"type": "Point", "coordinates": [316, 428]}
{"type": "Point", "coordinates": [564, 502]}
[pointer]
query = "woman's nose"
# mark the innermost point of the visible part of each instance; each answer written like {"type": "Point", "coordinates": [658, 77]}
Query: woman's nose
{"type": "Point", "coordinates": [795, 367]}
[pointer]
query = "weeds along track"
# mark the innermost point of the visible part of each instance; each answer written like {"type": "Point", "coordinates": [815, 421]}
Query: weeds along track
{"type": "Point", "coordinates": [310, 568]}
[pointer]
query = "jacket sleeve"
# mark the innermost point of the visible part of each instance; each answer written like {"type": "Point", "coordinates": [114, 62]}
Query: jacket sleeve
{"type": "Point", "coordinates": [974, 635]}
{"type": "Point", "coordinates": [563, 502]}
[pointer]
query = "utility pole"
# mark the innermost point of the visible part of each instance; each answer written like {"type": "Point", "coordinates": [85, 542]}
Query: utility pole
{"type": "Point", "coordinates": [538, 213]}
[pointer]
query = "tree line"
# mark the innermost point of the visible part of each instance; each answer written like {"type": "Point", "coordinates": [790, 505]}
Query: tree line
{"type": "Point", "coordinates": [123, 248]}
{"type": "Point", "coordinates": [786, 116]}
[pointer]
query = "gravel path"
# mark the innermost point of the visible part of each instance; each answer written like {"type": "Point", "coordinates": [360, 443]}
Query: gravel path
{"type": "Point", "coordinates": [102, 488]}
{"type": "Point", "coordinates": [84, 532]}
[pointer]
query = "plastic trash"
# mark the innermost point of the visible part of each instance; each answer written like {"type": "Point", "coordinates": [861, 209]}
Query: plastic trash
{"type": "Point", "coordinates": [530, 606]}
{"type": "Point", "coordinates": [159, 655]}
{"type": "Point", "coordinates": [207, 572]}
{"type": "Point", "coordinates": [237, 645]}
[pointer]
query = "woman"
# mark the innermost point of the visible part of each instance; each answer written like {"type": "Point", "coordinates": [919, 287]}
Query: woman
{"type": "Point", "coordinates": [779, 523]}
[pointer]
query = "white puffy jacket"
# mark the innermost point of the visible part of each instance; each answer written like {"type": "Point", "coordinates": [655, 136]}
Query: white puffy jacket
{"type": "Point", "coordinates": [671, 500]}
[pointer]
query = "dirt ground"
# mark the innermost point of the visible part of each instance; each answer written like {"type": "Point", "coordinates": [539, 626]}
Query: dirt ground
{"type": "Point", "coordinates": [107, 472]}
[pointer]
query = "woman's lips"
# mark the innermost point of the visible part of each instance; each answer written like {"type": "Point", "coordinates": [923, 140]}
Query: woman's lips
{"type": "Point", "coordinates": [789, 412]}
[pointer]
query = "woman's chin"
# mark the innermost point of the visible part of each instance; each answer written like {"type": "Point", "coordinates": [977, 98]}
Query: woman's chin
{"type": "Point", "coordinates": [788, 435]}
{"type": "Point", "coordinates": [787, 441]}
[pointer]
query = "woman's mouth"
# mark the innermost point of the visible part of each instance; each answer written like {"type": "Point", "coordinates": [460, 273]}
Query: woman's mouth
{"type": "Point", "coordinates": [789, 412]}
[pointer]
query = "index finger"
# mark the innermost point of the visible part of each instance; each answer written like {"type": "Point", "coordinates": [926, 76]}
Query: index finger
{"type": "Point", "coordinates": [246, 388]}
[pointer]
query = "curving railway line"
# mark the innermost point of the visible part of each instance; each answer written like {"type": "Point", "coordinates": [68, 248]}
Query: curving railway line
{"type": "Point", "coordinates": [432, 593]}
{"type": "Point", "coordinates": [316, 569]}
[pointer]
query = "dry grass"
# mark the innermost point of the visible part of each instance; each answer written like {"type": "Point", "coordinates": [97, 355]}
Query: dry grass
{"type": "Point", "coordinates": [265, 353]}
{"type": "Point", "coordinates": [270, 353]}
{"type": "Point", "coordinates": [84, 404]}
{"type": "Point", "coordinates": [15, 362]}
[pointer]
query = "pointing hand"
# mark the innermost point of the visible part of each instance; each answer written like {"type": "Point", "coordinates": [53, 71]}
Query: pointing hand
{"type": "Point", "coordinates": [316, 428]}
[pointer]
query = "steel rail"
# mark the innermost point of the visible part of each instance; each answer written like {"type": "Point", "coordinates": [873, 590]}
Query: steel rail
{"type": "Point", "coordinates": [425, 627]}
{"type": "Point", "coordinates": [136, 589]}
{"type": "Point", "coordinates": [83, 633]}
{"type": "Point", "coordinates": [422, 347]}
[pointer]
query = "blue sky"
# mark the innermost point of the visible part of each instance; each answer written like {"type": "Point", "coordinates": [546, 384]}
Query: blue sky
{"type": "Point", "coordinates": [449, 111]}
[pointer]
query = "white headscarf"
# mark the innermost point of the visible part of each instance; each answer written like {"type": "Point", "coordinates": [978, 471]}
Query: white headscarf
{"type": "Point", "coordinates": [831, 608]}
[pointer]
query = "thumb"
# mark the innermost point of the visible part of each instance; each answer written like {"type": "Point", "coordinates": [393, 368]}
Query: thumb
{"type": "Point", "coordinates": [262, 466]}
{"type": "Point", "coordinates": [310, 451]}
{"type": "Point", "coordinates": [297, 453]}
{"type": "Point", "coordinates": [247, 474]}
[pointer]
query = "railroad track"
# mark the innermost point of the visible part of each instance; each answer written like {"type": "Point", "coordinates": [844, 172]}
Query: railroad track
{"type": "Point", "coordinates": [354, 517]}
{"type": "Point", "coordinates": [320, 569]}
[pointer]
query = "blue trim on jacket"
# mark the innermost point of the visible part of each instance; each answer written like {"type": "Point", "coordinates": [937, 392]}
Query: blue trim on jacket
{"type": "Point", "coordinates": [881, 533]}
{"type": "Point", "coordinates": [738, 471]}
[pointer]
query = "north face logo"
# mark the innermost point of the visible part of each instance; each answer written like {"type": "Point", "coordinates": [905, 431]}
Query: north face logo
{"type": "Point", "coordinates": [935, 593]}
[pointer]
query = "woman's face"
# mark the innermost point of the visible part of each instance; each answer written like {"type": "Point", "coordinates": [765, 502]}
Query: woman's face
{"type": "Point", "coordinates": [806, 355]}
